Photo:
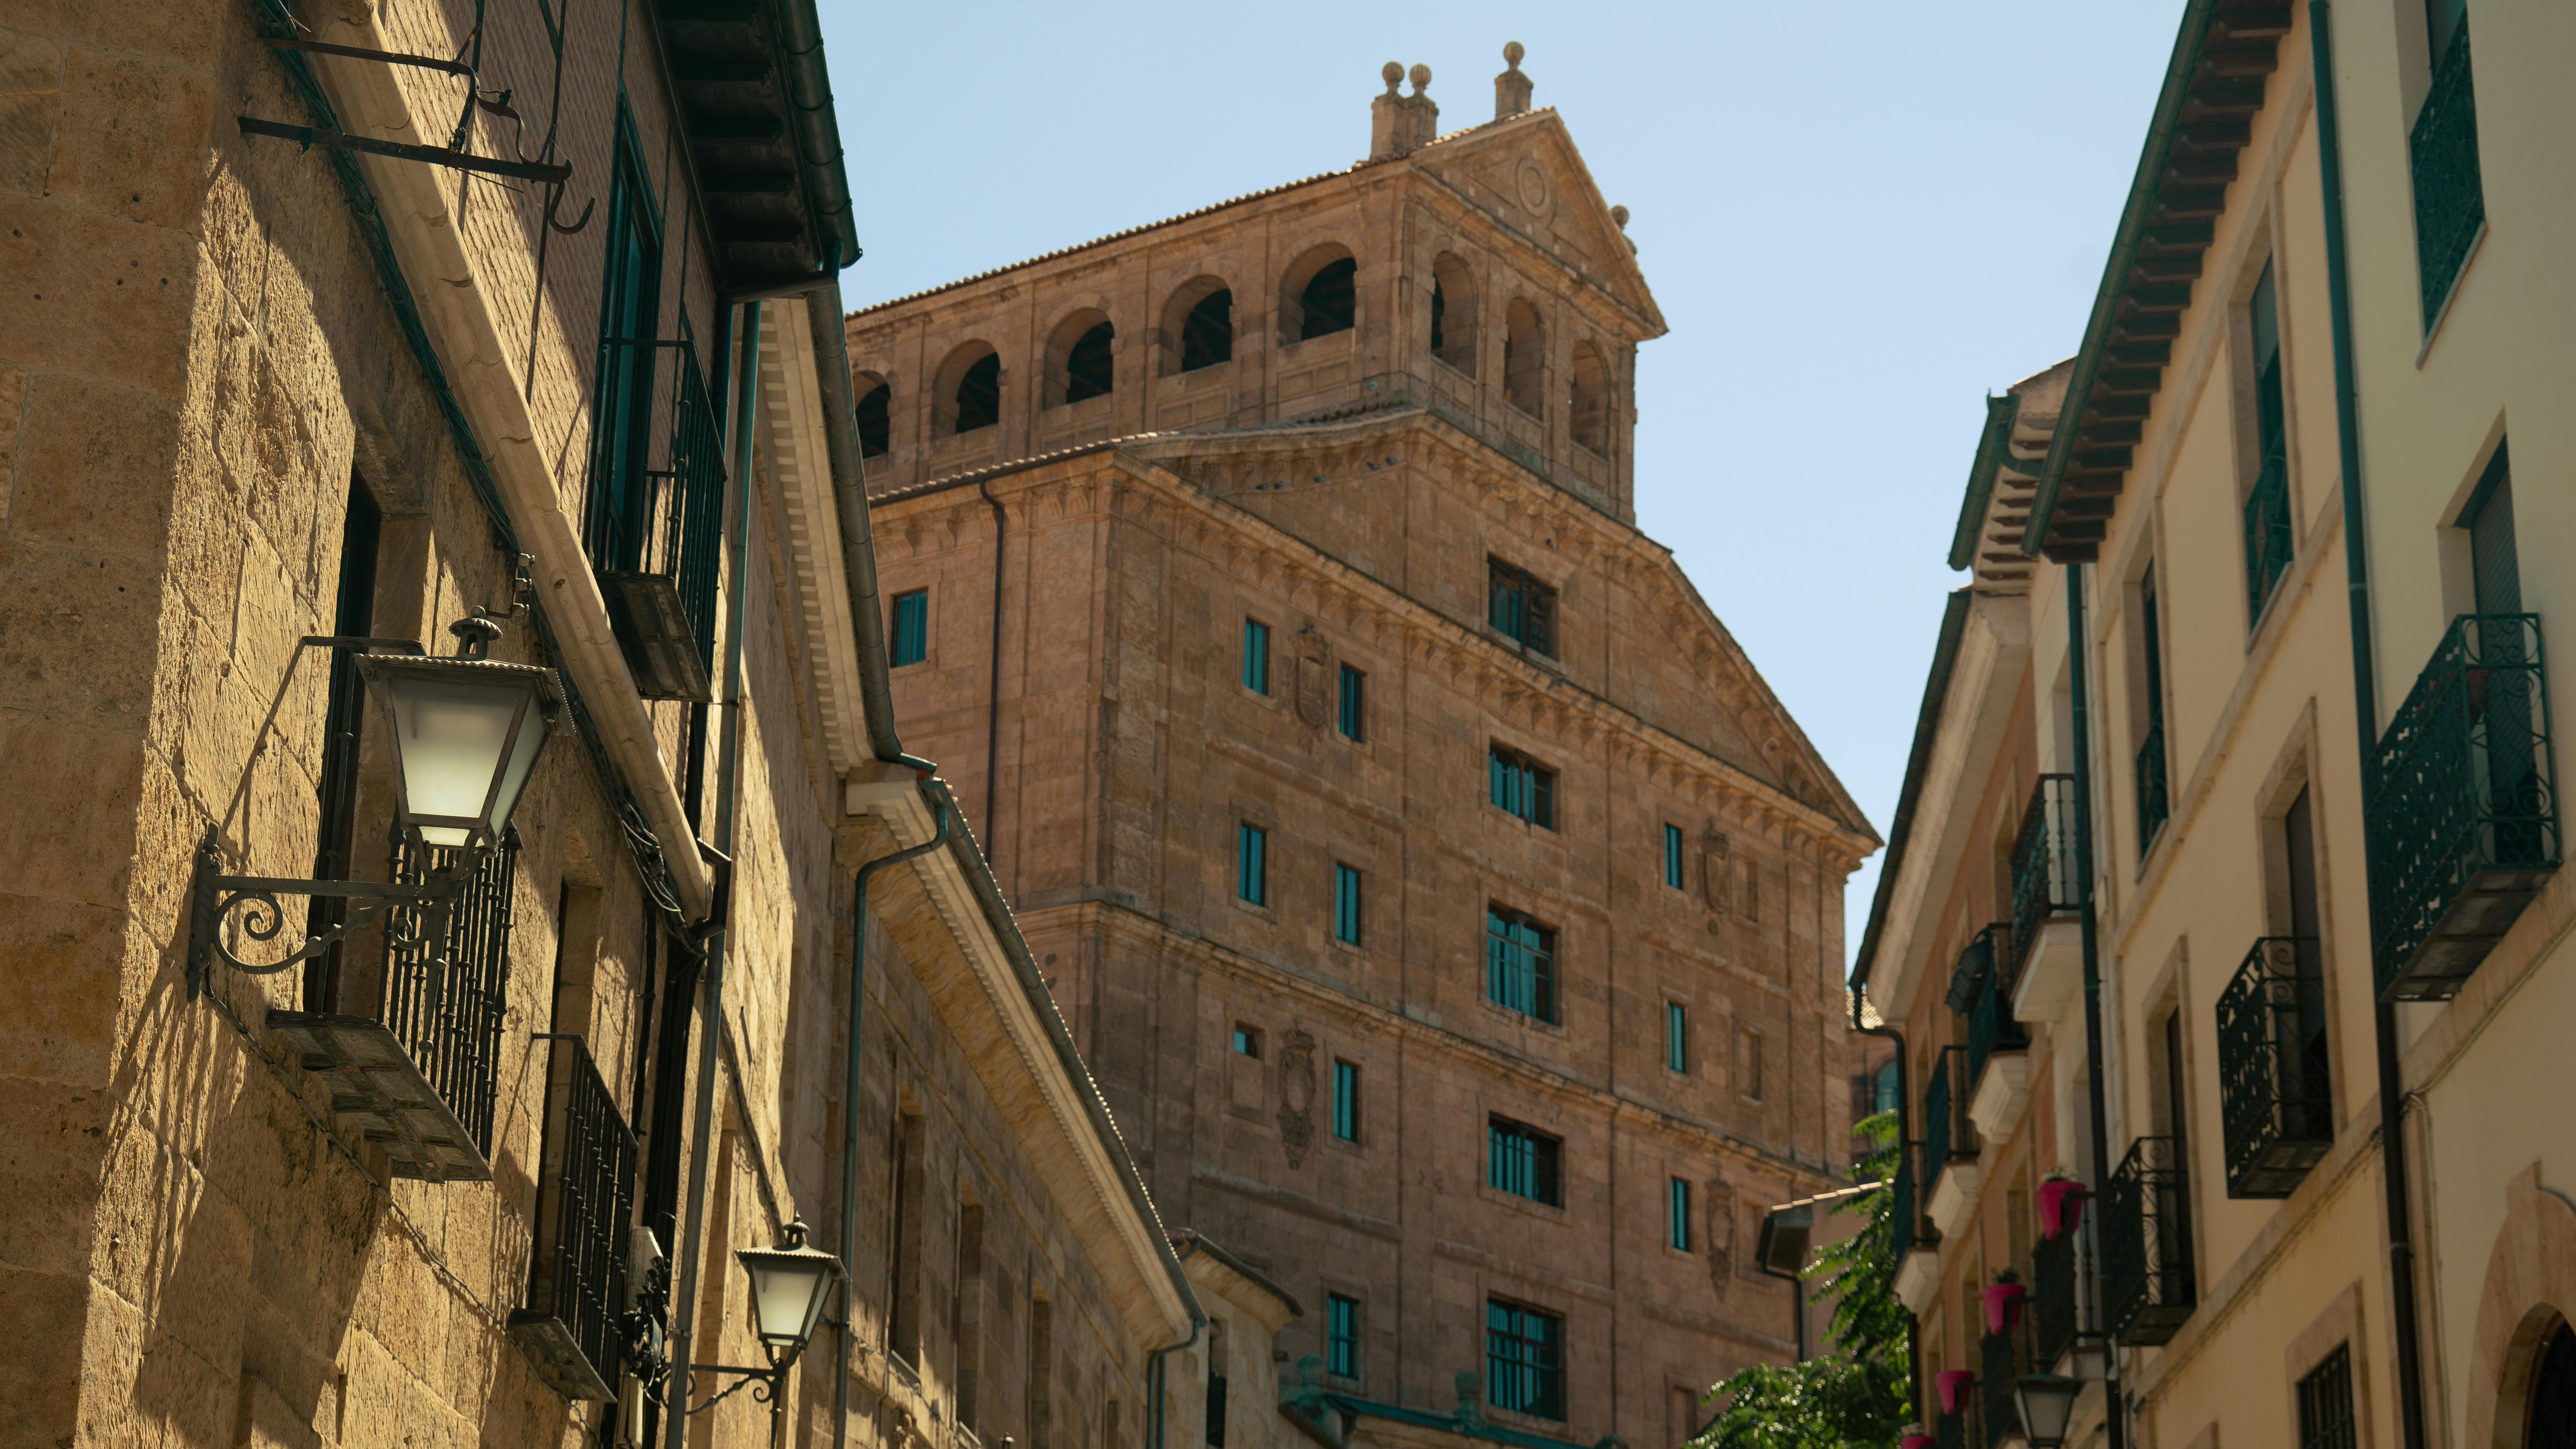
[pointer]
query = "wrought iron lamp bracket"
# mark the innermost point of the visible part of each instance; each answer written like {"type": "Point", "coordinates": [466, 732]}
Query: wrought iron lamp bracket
{"type": "Point", "coordinates": [216, 896]}
{"type": "Point", "coordinates": [764, 1383]}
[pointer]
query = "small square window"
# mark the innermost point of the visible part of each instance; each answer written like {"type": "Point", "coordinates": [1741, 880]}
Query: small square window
{"type": "Point", "coordinates": [1673, 856]}
{"type": "Point", "coordinates": [1247, 1041]}
{"type": "Point", "coordinates": [1256, 656]}
{"type": "Point", "coordinates": [1252, 865]}
{"type": "Point", "coordinates": [1520, 786]}
{"type": "Point", "coordinates": [1354, 710]}
{"type": "Point", "coordinates": [1677, 1215]}
{"type": "Point", "coordinates": [1523, 1161]}
{"type": "Point", "coordinates": [1346, 1100]}
{"type": "Point", "coordinates": [911, 642]}
{"type": "Point", "coordinates": [1521, 607]}
{"type": "Point", "coordinates": [1676, 1037]}
{"type": "Point", "coordinates": [1346, 904]}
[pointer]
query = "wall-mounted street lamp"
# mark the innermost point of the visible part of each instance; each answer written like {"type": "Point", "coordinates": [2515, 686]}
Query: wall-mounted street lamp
{"type": "Point", "coordinates": [2047, 1405]}
{"type": "Point", "coordinates": [466, 731]}
{"type": "Point", "coordinates": [790, 1283]}
{"type": "Point", "coordinates": [1781, 1252]}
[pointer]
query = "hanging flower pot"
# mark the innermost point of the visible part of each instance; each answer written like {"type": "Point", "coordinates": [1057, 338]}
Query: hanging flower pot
{"type": "Point", "coordinates": [2061, 1206]}
{"type": "Point", "coordinates": [1951, 1383]}
{"type": "Point", "coordinates": [2003, 1305]}
{"type": "Point", "coordinates": [1917, 1441]}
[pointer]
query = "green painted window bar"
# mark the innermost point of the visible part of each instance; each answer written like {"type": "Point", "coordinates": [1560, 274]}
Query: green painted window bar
{"type": "Point", "coordinates": [2002, 1360]}
{"type": "Point", "coordinates": [585, 1197]}
{"type": "Point", "coordinates": [2054, 1270]}
{"type": "Point", "coordinates": [2450, 196]}
{"type": "Point", "coordinates": [2273, 1083]}
{"type": "Point", "coordinates": [2044, 881]}
{"type": "Point", "coordinates": [2153, 806]}
{"type": "Point", "coordinates": [654, 520]}
{"type": "Point", "coordinates": [2267, 532]}
{"type": "Point", "coordinates": [2463, 818]}
{"type": "Point", "coordinates": [1947, 1134]}
{"type": "Point", "coordinates": [1952, 1431]}
{"type": "Point", "coordinates": [1992, 1027]}
{"type": "Point", "coordinates": [2146, 1243]}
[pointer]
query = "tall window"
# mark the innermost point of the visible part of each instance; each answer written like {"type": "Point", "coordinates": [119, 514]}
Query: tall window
{"type": "Point", "coordinates": [1520, 786]}
{"type": "Point", "coordinates": [2511, 714]}
{"type": "Point", "coordinates": [1256, 656]}
{"type": "Point", "coordinates": [344, 720]}
{"type": "Point", "coordinates": [1346, 904]}
{"type": "Point", "coordinates": [1520, 964]}
{"type": "Point", "coordinates": [1207, 333]}
{"type": "Point", "coordinates": [1677, 1214]}
{"type": "Point", "coordinates": [2552, 1422]}
{"type": "Point", "coordinates": [1748, 1063]}
{"type": "Point", "coordinates": [911, 643]}
{"type": "Point", "coordinates": [1089, 365]}
{"type": "Point", "coordinates": [2494, 563]}
{"type": "Point", "coordinates": [876, 421]}
{"type": "Point", "coordinates": [1524, 1359]}
{"type": "Point", "coordinates": [2152, 804]}
{"type": "Point", "coordinates": [1354, 705]}
{"type": "Point", "coordinates": [2450, 194]}
{"type": "Point", "coordinates": [1520, 606]}
{"type": "Point", "coordinates": [2267, 503]}
{"type": "Point", "coordinates": [2325, 1405]}
{"type": "Point", "coordinates": [1522, 1160]}
{"type": "Point", "coordinates": [1252, 864]}
{"type": "Point", "coordinates": [1341, 1336]}
{"type": "Point", "coordinates": [1673, 856]}
{"type": "Point", "coordinates": [615, 519]}
{"type": "Point", "coordinates": [1676, 1037]}
{"type": "Point", "coordinates": [1330, 302]}
{"type": "Point", "coordinates": [978, 400]}
{"type": "Point", "coordinates": [1346, 1100]}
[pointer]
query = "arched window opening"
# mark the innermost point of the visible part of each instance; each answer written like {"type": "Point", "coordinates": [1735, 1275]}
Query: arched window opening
{"type": "Point", "coordinates": [876, 418]}
{"type": "Point", "coordinates": [1087, 365]}
{"type": "Point", "coordinates": [1588, 410]}
{"type": "Point", "coordinates": [979, 394]}
{"type": "Point", "coordinates": [1523, 357]}
{"type": "Point", "coordinates": [1207, 333]}
{"type": "Point", "coordinates": [2553, 1393]}
{"type": "Point", "coordinates": [1330, 302]}
{"type": "Point", "coordinates": [1453, 313]}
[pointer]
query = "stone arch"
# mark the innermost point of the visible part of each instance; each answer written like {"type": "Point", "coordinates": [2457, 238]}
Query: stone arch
{"type": "Point", "coordinates": [875, 413]}
{"type": "Point", "coordinates": [1080, 359]}
{"type": "Point", "coordinates": [1524, 358]}
{"type": "Point", "coordinates": [1453, 312]}
{"type": "Point", "coordinates": [1588, 409]}
{"type": "Point", "coordinates": [966, 392]}
{"type": "Point", "coordinates": [1319, 294]}
{"type": "Point", "coordinates": [1198, 325]}
{"type": "Point", "coordinates": [2530, 1290]}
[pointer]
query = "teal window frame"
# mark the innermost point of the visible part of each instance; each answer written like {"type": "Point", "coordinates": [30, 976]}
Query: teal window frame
{"type": "Point", "coordinates": [1520, 606]}
{"type": "Point", "coordinates": [1674, 856]}
{"type": "Point", "coordinates": [1353, 710]}
{"type": "Point", "coordinates": [1342, 1336]}
{"type": "Point", "coordinates": [1256, 656]}
{"type": "Point", "coordinates": [1524, 1359]}
{"type": "Point", "coordinates": [1246, 1041]}
{"type": "Point", "coordinates": [1677, 1214]}
{"type": "Point", "coordinates": [2267, 530]}
{"type": "Point", "coordinates": [2154, 799]}
{"type": "Point", "coordinates": [1676, 1038]}
{"type": "Point", "coordinates": [911, 641]}
{"type": "Point", "coordinates": [1520, 964]}
{"type": "Point", "coordinates": [616, 513]}
{"type": "Point", "coordinates": [1524, 1161]}
{"type": "Point", "coordinates": [1346, 1100]}
{"type": "Point", "coordinates": [1520, 786]}
{"type": "Point", "coordinates": [1346, 903]}
{"type": "Point", "coordinates": [1251, 864]}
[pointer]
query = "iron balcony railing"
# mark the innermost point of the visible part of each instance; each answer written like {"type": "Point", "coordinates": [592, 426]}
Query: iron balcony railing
{"type": "Point", "coordinates": [2044, 882]}
{"type": "Point", "coordinates": [2463, 818]}
{"type": "Point", "coordinates": [1901, 1208]}
{"type": "Point", "coordinates": [2273, 1082]}
{"type": "Point", "coordinates": [1952, 1430]}
{"type": "Point", "coordinates": [445, 996]}
{"type": "Point", "coordinates": [2450, 196]}
{"type": "Point", "coordinates": [2146, 1243]}
{"type": "Point", "coordinates": [654, 519]}
{"type": "Point", "coordinates": [2153, 806]}
{"type": "Point", "coordinates": [2267, 531]}
{"type": "Point", "coordinates": [2055, 1319]}
{"type": "Point", "coordinates": [1992, 1027]}
{"type": "Point", "coordinates": [1947, 1134]}
{"type": "Point", "coordinates": [585, 1198]}
{"type": "Point", "coordinates": [2001, 1362]}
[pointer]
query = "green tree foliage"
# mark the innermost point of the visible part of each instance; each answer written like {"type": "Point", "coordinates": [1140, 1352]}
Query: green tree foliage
{"type": "Point", "coordinates": [1856, 1396]}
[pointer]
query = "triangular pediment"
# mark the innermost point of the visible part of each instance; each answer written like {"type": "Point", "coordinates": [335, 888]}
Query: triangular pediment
{"type": "Point", "coordinates": [1526, 174]}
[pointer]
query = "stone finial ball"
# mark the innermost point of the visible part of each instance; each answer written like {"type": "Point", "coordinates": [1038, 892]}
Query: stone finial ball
{"type": "Point", "coordinates": [1393, 70]}
{"type": "Point", "coordinates": [1421, 76]}
{"type": "Point", "coordinates": [1512, 53]}
{"type": "Point", "coordinates": [1619, 214]}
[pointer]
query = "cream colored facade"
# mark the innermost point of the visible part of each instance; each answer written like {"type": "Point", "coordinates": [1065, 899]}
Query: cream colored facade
{"type": "Point", "coordinates": [2246, 1285]}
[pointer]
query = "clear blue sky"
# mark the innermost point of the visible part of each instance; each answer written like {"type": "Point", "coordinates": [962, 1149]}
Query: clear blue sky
{"type": "Point", "coordinates": [1858, 218]}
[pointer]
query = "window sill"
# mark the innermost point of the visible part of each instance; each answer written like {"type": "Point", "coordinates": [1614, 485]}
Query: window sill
{"type": "Point", "coordinates": [1514, 1202]}
{"type": "Point", "coordinates": [1521, 1018]}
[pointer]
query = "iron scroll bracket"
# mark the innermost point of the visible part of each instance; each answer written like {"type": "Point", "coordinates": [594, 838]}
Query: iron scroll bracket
{"type": "Point", "coordinates": [216, 896]}
{"type": "Point", "coordinates": [543, 173]}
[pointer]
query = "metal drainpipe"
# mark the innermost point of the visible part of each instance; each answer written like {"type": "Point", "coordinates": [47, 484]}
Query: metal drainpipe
{"type": "Point", "coordinates": [1904, 1146]}
{"type": "Point", "coordinates": [1198, 1321]}
{"type": "Point", "coordinates": [2080, 708]}
{"type": "Point", "coordinates": [993, 691]}
{"type": "Point", "coordinates": [850, 1106]}
{"type": "Point", "coordinates": [2365, 699]}
{"type": "Point", "coordinates": [728, 786]}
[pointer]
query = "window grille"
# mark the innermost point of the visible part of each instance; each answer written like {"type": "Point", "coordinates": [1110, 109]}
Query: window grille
{"type": "Point", "coordinates": [585, 1197]}
{"type": "Point", "coordinates": [1522, 1160]}
{"type": "Point", "coordinates": [2326, 1418]}
{"type": "Point", "coordinates": [1524, 1359]}
{"type": "Point", "coordinates": [1342, 1336]}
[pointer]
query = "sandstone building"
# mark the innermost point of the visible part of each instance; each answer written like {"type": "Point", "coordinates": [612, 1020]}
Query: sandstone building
{"type": "Point", "coordinates": [1450, 914]}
